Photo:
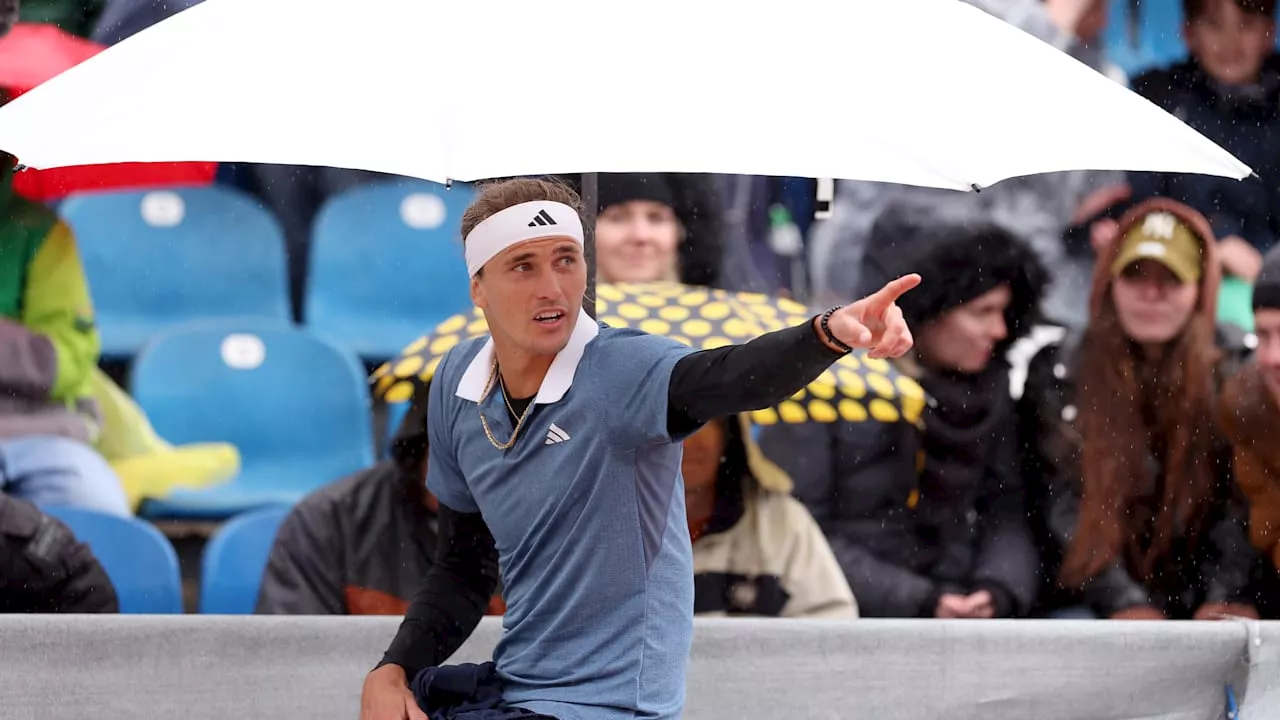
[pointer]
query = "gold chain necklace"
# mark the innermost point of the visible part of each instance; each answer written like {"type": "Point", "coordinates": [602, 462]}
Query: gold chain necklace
{"type": "Point", "coordinates": [493, 375]}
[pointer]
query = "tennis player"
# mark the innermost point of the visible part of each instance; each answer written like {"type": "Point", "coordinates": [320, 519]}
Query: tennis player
{"type": "Point", "coordinates": [555, 455]}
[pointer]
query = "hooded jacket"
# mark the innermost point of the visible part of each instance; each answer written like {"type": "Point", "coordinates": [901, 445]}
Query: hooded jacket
{"type": "Point", "coordinates": [762, 553]}
{"type": "Point", "coordinates": [1051, 463]}
{"type": "Point", "coordinates": [48, 340]}
{"type": "Point", "coordinates": [913, 512]}
{"type": "Point", "coordinates": [362, 544]}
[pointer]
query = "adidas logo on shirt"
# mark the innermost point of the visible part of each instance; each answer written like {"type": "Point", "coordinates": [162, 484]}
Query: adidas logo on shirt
{"type": "Point", "coordinates": [556, 435]}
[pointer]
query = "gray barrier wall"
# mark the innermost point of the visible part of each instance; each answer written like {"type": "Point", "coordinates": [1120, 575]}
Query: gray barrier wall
{"type": "Point", "coordinates": [196, 667]}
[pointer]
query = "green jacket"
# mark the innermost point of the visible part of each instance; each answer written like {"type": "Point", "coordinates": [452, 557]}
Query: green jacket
{"type": "Point", "coordinates": [49, 344]}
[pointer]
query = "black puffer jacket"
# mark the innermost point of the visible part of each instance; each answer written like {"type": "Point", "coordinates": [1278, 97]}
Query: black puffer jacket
{"type": "Point", "coordinates": [1217, 570]}
{"type": "Point", "coordinates": [914, 512]}
{"type": "Point", "coordinates": [44, 569]}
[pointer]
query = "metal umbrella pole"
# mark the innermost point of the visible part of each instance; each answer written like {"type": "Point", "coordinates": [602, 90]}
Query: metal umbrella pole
{"type": "Point", "coordinates": [590, 194]}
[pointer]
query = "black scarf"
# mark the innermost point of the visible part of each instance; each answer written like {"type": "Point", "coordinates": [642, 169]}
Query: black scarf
{"type": "Point", "coordinates": [961, 423]}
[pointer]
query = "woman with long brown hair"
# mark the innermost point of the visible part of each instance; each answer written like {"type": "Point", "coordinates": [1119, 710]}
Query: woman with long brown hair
{"type": "Point", "coordinates": [1135, 493]}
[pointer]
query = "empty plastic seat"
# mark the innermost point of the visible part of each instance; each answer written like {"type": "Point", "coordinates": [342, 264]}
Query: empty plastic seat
{"type": "Point", "coordinates": [1162, 28]}
{"type": "Point", "coordinates": [296, 407]}
{"type": "Point", "coordinates": [1123, 38]}
{"type": "Point", "coordinates": [158, 259]}
{"type": "Point", "coordinates": [387, 265]}
{"type": "Point", "coordinates": [234, 560]}
{"type": "Point", "coordinates": [140, 560]}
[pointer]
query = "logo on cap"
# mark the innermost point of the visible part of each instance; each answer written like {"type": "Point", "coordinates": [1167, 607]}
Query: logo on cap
{"type": "Point", "coordinates": [542, 218]}
{"type": "Point", "coordinates": [1160, 225]}
{"type": "Point", "coordinates": [1150, 249]}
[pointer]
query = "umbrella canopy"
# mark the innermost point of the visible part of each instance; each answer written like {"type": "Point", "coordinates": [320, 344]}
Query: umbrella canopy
{"type": "Point", "coordinates": [30, 55]}
{"type": "Point", "coordinates": [855, 388]}
{"type": "Point", "coordinates": [937, 93]}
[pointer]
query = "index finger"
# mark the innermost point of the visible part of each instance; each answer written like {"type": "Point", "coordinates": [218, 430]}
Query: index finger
{"type": "Point", "coordinates": [894, 289]}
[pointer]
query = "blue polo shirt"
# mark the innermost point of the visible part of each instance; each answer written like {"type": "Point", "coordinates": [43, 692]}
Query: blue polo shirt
{"type": "Point", "coordinates": [587, 511]}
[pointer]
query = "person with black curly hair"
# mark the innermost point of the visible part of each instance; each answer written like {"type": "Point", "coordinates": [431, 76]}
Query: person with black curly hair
{"type": "Point", "coordinates": [929, 520]}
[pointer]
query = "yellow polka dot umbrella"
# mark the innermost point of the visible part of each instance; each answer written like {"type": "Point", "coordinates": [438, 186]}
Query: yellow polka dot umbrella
{"type": "Point", "coordinates": [856, 388]}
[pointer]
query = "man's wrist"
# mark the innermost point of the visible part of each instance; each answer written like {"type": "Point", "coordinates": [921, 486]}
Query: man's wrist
{"type": "Point", "coordinates": [389, 669]}
{"type": "Point", "coordinates": [822, 329]}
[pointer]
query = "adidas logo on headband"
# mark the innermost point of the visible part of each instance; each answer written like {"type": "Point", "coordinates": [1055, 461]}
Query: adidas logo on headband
{"type": "Point", "coordinates": [542, 218]}
{"type": "Point", "coordinates": [509, 227]}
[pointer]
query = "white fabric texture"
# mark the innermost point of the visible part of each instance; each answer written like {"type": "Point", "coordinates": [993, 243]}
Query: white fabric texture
{"type": "Point", "coordinates": [534, 220]}
{"type": "Point", "coordinates": [951, 96]}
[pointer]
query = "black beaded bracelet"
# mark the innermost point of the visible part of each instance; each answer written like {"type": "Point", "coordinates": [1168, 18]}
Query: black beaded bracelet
{"type": "Point", "coordinates": [826, 330]}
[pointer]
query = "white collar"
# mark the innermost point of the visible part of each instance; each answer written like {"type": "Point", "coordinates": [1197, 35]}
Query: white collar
{"type": "Point", "coordinates": [559, 376]}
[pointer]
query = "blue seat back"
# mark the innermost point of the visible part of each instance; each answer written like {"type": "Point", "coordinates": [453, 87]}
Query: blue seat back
{"type": "Point", "coordinates": [234, 560]}
{"type": "Point", "coordinates": [387, 265]}
{"type": "Point", "coordinates": [284, 398]}
{"type": "Point", "coordinates": [1162, 29]}
{"type": "Point", "coordinates": [395, 416]}
{"type": "Point", "coordinates": [156, 259]}
{"type": "Point", "coordinates": [140, 561]}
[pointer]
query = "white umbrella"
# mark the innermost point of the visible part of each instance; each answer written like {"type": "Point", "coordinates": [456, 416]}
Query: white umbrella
{"type": "Point", "coordinates": [921, 92]}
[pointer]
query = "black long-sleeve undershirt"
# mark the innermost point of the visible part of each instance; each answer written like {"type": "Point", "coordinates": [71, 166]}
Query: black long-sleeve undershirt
{"type": "Point", "coordinates": [738, 378]}
{"type": "Point", "coordinates": [704, 386]}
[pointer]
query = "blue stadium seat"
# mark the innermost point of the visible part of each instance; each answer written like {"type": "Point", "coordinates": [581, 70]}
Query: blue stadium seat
{"type": "Point", "coordinates": [234, 560]}
{"type": "Point", "coordinates": [296, 407]}
{"type": "Point", "coordinates": [1162, 30]}
{"type": "Point", "coordinates": [1123, 39]}
{"type": "Point", "coordinates": [140, 561]}
{"type": "Point", "coordinates": [158, 259]}
{"type": "Point", "coordinates": [395, 415]}
{"type": "Point", "coordinates": [387, 265]}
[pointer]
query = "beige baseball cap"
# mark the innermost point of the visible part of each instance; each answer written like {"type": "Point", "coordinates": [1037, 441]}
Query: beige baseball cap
{"type": "Point", "coordinates": [1165, 238]}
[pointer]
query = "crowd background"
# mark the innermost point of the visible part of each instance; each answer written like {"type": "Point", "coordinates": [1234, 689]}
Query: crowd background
{"type": "Point", "coordinates": [1099, 355]}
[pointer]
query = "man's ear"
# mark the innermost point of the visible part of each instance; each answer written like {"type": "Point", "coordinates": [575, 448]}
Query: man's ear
{"type": "Point", "coordinates": [477, 293]}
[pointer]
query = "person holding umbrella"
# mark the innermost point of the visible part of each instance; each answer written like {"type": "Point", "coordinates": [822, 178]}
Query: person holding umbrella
{"type": "Point", "coordinates": [555, 454]}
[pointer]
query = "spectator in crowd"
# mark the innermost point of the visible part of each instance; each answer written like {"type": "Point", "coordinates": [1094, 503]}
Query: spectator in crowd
{"type": "Point", "coordinates": [1229, 90]}
{"type": "Point", "coordinates": [48, 350]}
{"type": "Point", "coordinates": [1132, 478]}
{"type": "Point", "coordinates": [658, 226]}
{"type": "Point", "coordinates": [1251, 415]}
{"type": "Point", "coordinates": [361, 545]}
{"type": "Point", "coordinates": [43, 569]}
{"type": "Point", "coordinates": [930, 522]}
{"type": "Point", "coordinates": [756, 550]}
{"type": "Point", "coordinates": [1040, 209]}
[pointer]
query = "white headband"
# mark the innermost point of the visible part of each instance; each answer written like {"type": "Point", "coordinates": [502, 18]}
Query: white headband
{"type": "Point", "coordinates": [520, 223]}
